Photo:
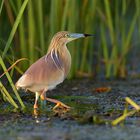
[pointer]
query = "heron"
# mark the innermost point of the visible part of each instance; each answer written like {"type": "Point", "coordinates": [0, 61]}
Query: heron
{"type": "Point", "coordinates": [51, 69]}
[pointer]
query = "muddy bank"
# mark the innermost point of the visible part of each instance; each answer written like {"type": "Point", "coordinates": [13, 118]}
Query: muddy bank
{"type": "Point", "coordinates": [89, 118]}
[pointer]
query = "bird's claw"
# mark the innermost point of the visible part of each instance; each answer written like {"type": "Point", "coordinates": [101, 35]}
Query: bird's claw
{"type": "Point", "coordinates": [61, 106]}
{"type": "Point", "coordinates": [35, 106]}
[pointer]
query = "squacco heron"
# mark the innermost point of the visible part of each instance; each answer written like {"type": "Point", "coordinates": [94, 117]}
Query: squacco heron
{"type": "Point", "coordinates": [50, 70]}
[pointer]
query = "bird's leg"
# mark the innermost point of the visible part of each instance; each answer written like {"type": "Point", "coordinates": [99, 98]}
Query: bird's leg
{"type": "Point", "coordinates": [36, 100]}
{"type": "Point", "coordinates": [43, 102]}
{"type": "Point", "coordinates": [58, 103]}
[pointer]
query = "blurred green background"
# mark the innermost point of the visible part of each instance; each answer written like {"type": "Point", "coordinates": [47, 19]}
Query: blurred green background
{"type": "Point", "coordinates": [27, 26]}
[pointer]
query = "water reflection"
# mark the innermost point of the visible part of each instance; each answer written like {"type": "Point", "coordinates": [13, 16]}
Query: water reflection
{"type": "Point", "coordinates": [40, 117]}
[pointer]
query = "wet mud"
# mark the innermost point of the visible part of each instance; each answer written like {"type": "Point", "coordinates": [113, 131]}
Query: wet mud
{"type": "Point", "coordinates": [90, 116]}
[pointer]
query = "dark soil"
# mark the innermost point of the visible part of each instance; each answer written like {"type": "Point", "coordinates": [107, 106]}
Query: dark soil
{"type": "Point", "coordinates": [90, 117]}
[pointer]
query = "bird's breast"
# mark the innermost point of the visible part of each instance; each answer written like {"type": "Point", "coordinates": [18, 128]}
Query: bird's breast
{"type": "Point", "coordinates": [66, 58]}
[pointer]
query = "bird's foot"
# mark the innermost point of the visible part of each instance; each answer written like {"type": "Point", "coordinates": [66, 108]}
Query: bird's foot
{"type": "Point", "coordinates": [36, 112]}
{"type": "Point", "coordinates": [61, 106]}
{"type": "Point", "coordinates": [35, 106]}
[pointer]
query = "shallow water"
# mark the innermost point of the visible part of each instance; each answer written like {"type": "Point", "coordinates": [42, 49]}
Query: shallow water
{"type": "Point", "coordinates": [89, 117]}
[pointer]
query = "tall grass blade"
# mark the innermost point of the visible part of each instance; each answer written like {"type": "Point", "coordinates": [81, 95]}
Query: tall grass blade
{"type": "Point", "coordinates": [22, 38]}
{"type": "Point", "coordinates": [31, 32]}
{"type": "Point", "coordinates": [64, 17]}
{"type": "Point", "coordinates": [13, 5]}
{"type": "Point", "coordinates": [88, 46]}
{"type": "Point", "coordinates": [14, 27]}
{"type": "Point", "coordinates": [40, 24]}
{"type": "Point", "coordinates": [53, 17]}
{"type": "Point", "coordinates": [7, 95]}
{"type": "Point", "coordinates": [105, 51]}
{"type": "Point", "coordinates": [72, 24]}
{"type": "Point", "coordinates": [1, 6]}
{"type": "Point", "coordinates": [11, 83]}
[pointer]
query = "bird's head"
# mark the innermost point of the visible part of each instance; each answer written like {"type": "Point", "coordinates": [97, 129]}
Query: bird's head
{"type": "Point", "coordinates": [63, 37]}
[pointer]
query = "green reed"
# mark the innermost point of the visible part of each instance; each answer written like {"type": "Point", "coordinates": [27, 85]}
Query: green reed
{"type": "Point", "coordinates": [1, 5]}
{"type": "Point", "coordinates": [7, 96]}
{"type": "Point", "coordinates": [12, 85]}
{"type": "Point", "coordinates": [14, 28]}
{"type": "Point", "coordinates": [118, 29]}
{"type": "Point", "coordinates": [10, 38]}
{"type": "Point", "coordinates": [112, 22]}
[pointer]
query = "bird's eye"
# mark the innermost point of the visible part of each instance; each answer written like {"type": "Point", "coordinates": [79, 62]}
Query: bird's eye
{"type": "Point", "coordinates": [67, 35]}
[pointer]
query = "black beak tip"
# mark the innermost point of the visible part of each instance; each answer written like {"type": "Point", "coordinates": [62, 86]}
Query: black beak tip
{"type": "Point", "coordinates": [86, 35]}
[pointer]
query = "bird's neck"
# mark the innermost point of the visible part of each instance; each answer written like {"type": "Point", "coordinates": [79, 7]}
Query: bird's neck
{"type": "Point", "coordinates": [66, 58]}
{"type": "Point", "coordinates": [56, 46]}
{"type": "Point", "coordinates": [63, 53]}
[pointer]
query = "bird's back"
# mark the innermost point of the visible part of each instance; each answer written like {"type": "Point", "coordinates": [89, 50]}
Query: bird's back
{"type": "Point", "coordinates": [44, 73]}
